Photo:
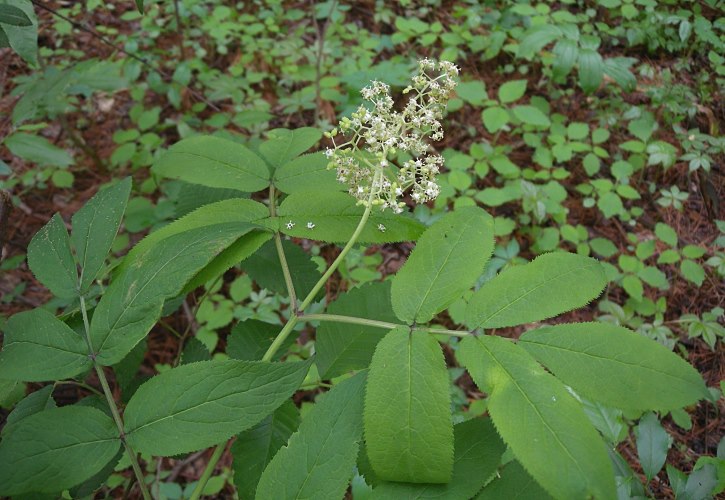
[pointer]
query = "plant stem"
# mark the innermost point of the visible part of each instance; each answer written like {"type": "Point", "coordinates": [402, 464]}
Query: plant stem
{"type": "Point", "coordinates": [215, 456]}
{"type": "Point", "coordinates": [280, 252]}
{"type": "Point", "coordinates": [280, 338]}
{"type": "Point", "coordinates": [379, 324]}
{"type": "Point", "coordinates": [112, 405]}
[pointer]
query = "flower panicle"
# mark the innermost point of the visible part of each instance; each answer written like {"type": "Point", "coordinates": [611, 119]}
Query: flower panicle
{"type": "Point", "coordinates": [376, 132]}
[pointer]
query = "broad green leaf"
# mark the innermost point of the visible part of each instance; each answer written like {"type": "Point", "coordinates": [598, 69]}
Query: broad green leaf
{"type": "Point", "coordinates": [89, 486]}
{"type": "Point", "coordinates": [245, 246]}
{"type": "Point", "coordinates": [615, 366]}
{"type": "Point", "coordinates": [132, 303]}
{"type": "Point", "coordinates": [539, 419]}
{"type": "Point", "coordinates": [13, 16]}
{"type": "Point", "coordinates": [536, 38]}
{"type": "Point", "coordinates": [33, 403]}
{"type": "Point", "coordinates": [22, 39]}
{"type": "Point", "coordinates": [319, 459]}
{"type": "Point", "coordinates": [334, 217]}
{"type": "Point", "coordinates": [95, 227]}
{"type": "Point", "coordinates": [38, 346]}
{"type": "Point", "coordinates": [202, 404]}
{"type": "Point", "coordinates": [283, 145]}
{"type": "Point", "coordinates": [343, 347]}
{"type": "Point", "coordinates": [531, 116]}
{"type": "Point", "coordinates": [513, 482]}
{"type": "Point", "coordinates": [37, 149]}
{"type": "Point", "coordinates": [591, 70]}
{"type": "Point", "coordinates": [51, 261]}
{"type": "Point", "coordinates": [512, 91]}
{"type": "Point", "coordinates": [478, 451]}
{"type": "Point", "coordinates": [56, 449]}
{"type": "Point", "coordinates": [618, 69]}
{"type": "Point", "coordinates": [408, 427]}
{"type": "Point", "coordinates": [264, 267]}
{"type": "Point", "coordinates": [194, 350]}
{"type": "Point", "coordinates": [565, 56]}
{"type": "Point", "coordinates": [494, 118]}
{"type": "Point", "coordinates": [652, 444]}
{"type": "Point", "coordinates": [447, 260]}
{"type": "Point", "coordinates": [551, 284]}
{"type": "Point", "coordinates": [234, 210]}
{"type": "Point", "coordinates": [250, 339]}
{"type": "Point", "coordinates": [306, 173]}
{"type": "Point", "coordinates": [256, 447]}
{"type": "Point", "coordinates": [214, 162]}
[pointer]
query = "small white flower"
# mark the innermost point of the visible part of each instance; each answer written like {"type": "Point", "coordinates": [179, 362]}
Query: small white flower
{"type": "Point", "coordinates": [310, 225]}
{"type": "Point", "coordinates": [381, 228]}
{"type": "Point", "coordinates": [290, 225]}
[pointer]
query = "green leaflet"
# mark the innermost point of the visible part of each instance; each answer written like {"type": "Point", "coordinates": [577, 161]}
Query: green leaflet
{"type": "Point", "coordinates": [343, 347]}
{"type": "Point", "coordinates": [318, 462]}
{"type": "Point", "coordinates": [539, 419]}
{"type": "Point", "coordinates": [616, 366]}
{"type": "Point", "coordinates": [478, 451]}
{"type": "Point", "coordinates": [551, 284]}
{"type": "Point", "coordinates": [265, 268]}
{"type": "Point", "coordinates": [283, 145]}
{"type": "Point", "coordinates": [36, 457]}
{"type": "Point", "coordinates": [31, 404]}
{"type": "Point", "coordinates": [244, 247]}
{"type": "Point", "coordinates": [234, 210]}
{"type": "Point", "coordinates": [307, 173]}
{"type": "Point", "coordinates": [255, 448]}
{"type": "Point", "coordinates": [335, 216]}
{"type": "Point", "coordinates": [408, 427]}
{"type": "Point", "coordinates": [514, 482]}
{"type": "Point", "coordinates": [132, 303]}
{"type": "Point", "coordinates": [95, 226]}
{"type": "Point", "coordinates": [214, 162]}
{"type": "Point", "coordinates": [38, 346]}
{"type": "Point", "coordinates": [653, 442]}
{"type": "Point", "coordinates": [250, 339]}
{"type": "Point", "coordinates": [51, 261]}
{"type": "Point", "coordinates": [447, 261]}
{"type": "Point", "coordinates": [201, 404]}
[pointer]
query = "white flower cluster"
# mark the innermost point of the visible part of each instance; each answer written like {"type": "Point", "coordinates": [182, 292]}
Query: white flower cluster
{"type": "Point", "coordinates": [382, 131]}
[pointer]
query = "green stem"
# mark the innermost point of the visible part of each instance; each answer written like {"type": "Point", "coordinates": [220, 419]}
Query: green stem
{"type": "Point", "coordinates": [280, 338]}
{"type": "Point", "coordinates": [215, 456]}
{"type": "Point", "coordinates": [379, 324]}
{"type": "Point", "coordinates": [112, 405]}
{"type": "Point", "coordinates": [280, 253]}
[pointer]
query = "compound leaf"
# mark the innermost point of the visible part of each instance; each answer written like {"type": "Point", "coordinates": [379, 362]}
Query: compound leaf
{"type": "Point", "coordinates": [551, 284]}
{"type": "Point", "coordinates": [201, 404]}
{"type": "Point", "coordinates": [95, 227]}
{"type": "Point", "coordinates": [214, 162]}
{"type": "Point", "coordinates": [478, 451]}
{"type": "Point", "coordinates": [254, 448]}
{"type": "Point", "coordinates": [36, 457]}
{"type": "Point", "coordinates": [408, 427]}
{"type": "Point", "coordinates": [447, 260]}
{"type": "Point", "coordinates": [539, 419]}
{"type": "Point", "coordinates": [132, 303]}
{"type": "Point", "coordinates": [343, 347]}
{"type": "Point", "coordinates": [38, 347]}
{"type": "Point", "coordinates": [51, 260]}
{"type": "Point", "coordinates": [319, 460]}
{"type": "Point", "coordinates": [615, 366]}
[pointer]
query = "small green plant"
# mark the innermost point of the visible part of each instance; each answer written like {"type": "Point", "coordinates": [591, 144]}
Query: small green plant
{"type": "Point", "coordinates": [388, 411]}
